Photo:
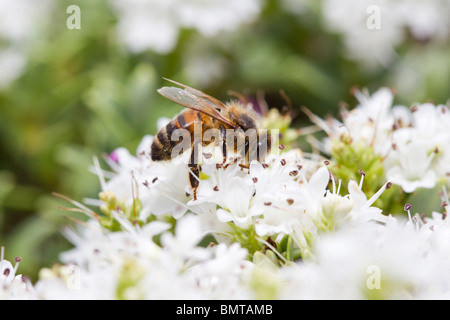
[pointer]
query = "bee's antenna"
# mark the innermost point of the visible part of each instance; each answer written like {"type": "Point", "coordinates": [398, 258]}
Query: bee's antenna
{"type": "Point", "coordinates": [262, 103]}
{"type": "Point", "coordinates": [286, 99]}
{"type": "Point", "coordinates": [238, 95]}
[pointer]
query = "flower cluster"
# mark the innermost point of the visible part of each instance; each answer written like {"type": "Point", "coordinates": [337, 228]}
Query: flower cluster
{"type": "Point", "coordinates": [294, 226]}
{"type": "Point", "coordinates": [410, 147]}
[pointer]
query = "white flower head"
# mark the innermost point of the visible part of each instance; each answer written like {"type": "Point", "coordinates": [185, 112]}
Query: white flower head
{"type": "Point", "coordinates": [419, 152]}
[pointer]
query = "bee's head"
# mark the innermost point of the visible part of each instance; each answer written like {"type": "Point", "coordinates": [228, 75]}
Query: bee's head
{"type": "Point", "coordinates": [246, 122]}
{"type": "Point", "coordinates": [242, 117]}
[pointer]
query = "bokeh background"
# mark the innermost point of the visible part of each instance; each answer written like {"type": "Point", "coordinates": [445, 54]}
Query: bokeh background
{"type": "Point", "coordinates": [78, 82]}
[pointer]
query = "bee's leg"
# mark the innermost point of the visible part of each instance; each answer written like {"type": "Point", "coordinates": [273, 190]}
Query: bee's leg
{"type": "Point", "coordinates": [235, 160]}
{"type": "Point", "coordinates": [249, 155]}
{"type": "Point", "coordinates": [246, 155]}
{"type": "Point", "coordinates": [194, 174]}
{"type": "Point", "coordinates": [224, 145]}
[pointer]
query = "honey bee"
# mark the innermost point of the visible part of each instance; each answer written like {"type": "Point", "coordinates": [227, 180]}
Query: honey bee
{"type": "Point", "coordinates": [231, 121]}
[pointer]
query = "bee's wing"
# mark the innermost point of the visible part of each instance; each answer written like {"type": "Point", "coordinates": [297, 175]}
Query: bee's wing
{"type": "Point", "coordinates": [213, 102]}
{"type": "Point", "coordinates": [189, 100]}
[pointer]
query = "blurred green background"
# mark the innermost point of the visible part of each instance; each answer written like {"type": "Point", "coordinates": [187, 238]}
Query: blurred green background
{"type": "Point", "coordinates": [80, 93]}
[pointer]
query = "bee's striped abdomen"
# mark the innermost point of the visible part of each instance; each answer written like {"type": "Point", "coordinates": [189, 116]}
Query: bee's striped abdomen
{"type": "Point", "coordinates": [162, 143]}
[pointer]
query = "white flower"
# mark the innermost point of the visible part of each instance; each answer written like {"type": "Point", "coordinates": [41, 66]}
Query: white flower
{"type": "Point", "coordinates": [362, 209]}
{"type": "Point", "coordinates": [147, 24]}
{"type": "Point", "coordinates": [373, 29]}
{"type": "Point", "coordinates": [231, 189]}
{"type": "Point", "coordinates": [13, 286]}
{"type": "Point", "coordinates": [363, 39]}
{"type": "Point", "coordinates": [372, 120]}
{"type": "Point", "coordinates": [424, 19]}
{"type": "Point", "coordinates": [420, 151]}
{"type": "Point", "coordinates": [159, 185]}
{"type": "Point", "coordinates": [183, 245]}
{"type": "Point", "coordinates": [369, 123]}
{"type": "Point", "coordinates": [212, 17]}
{"type": "Point", "coordinates": [130, 265]}
{"type": "Point", "coordinates": [20, 23]}
{"type": "Point", "coordinates": [225, 275]}
{"type": "Point", "coordinates": [413, 143]}
{"type": "Point", "coordinates": [395, 261]}
{"type": "Point", "coordinates": [124, 264]}
{"type": "Point", "coordinates": [278, 197]}
{"type": "Point", "coordinates": [205, 68]}
{"type": "Point", "coordinates": [12, 64]}
{"type": "Point", "coordinates": [155, 25]}
{"type": "Point", "coordinates": [412, 169]}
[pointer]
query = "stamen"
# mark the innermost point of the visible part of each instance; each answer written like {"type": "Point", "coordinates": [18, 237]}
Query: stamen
{"type": "Point", "coordinates": [93, 202]}
{"type": "Point", "coordinates": [99, 172]}
{"type": "Point", "coordinates": [84, 209]}
{"type": "Point", "coordinates": [445, 202]}
{"type": "Point", "coordinates": [318, 121]}
{"type": "Point", "coordinates": [178, 202]}
{"type": "Point", "coordinates": [333, 183]}
{"type": "Point", "coordinates": [444, 196]}
{"type": "Point", "coordinates": [378, 194]}
{"type": "Point", "coordinates": [408, 209]}
{"type": "Point", "coordinates": [16, 266]}
{"type": "Point", "coordinates": [362, 178]}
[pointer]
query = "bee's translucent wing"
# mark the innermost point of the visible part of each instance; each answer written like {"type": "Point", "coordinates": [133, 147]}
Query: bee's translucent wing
{"type": "Point", "coordinates": [181, 97]}
{"type": "Point", "coordinates": [189, 100]}
{"type": "Point", "coordinates": [213, 102]}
